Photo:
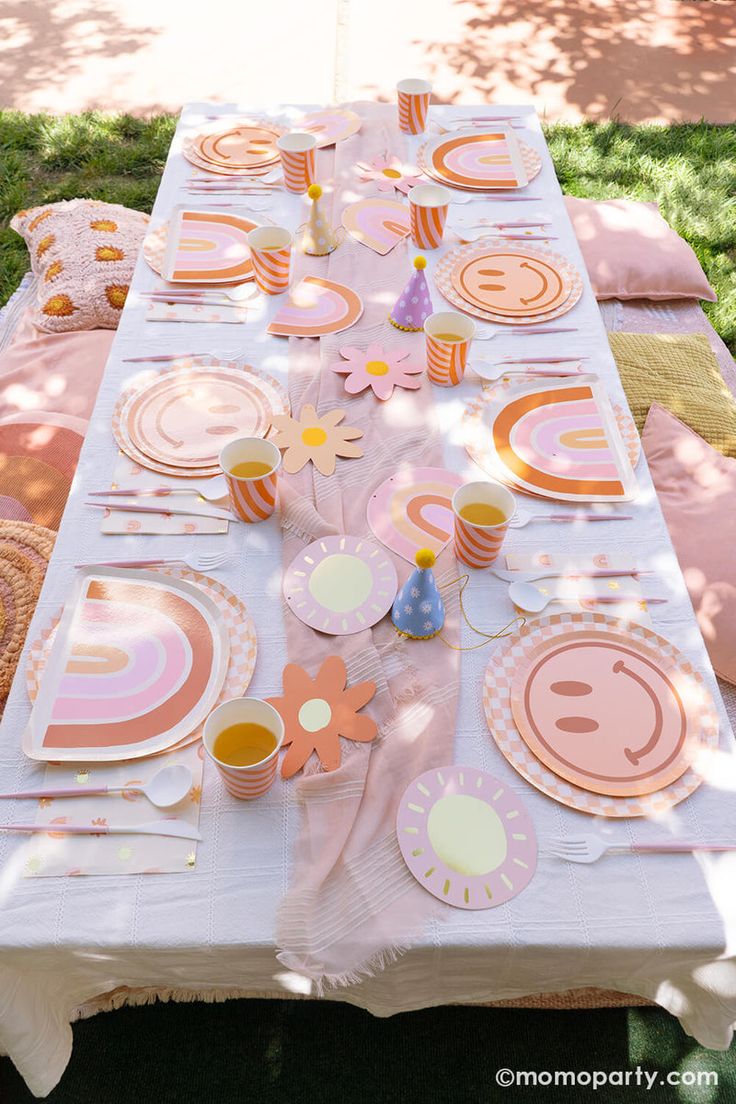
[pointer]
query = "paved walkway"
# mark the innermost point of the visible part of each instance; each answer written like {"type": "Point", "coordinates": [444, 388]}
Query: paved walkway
{"type": "Point", "coordinates": [657, 60]}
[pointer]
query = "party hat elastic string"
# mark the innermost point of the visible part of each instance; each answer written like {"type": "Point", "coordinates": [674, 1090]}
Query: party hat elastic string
{"type": "Point", "coordinates": [507, 630]}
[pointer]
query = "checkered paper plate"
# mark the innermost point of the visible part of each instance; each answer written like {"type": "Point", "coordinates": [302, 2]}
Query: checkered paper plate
{"type": "Point", "coordinates": [241, 630]}
{"type": "Point", "coordinates": [445, 267]}
{"type": "Point", "coordinates": [497, 706]}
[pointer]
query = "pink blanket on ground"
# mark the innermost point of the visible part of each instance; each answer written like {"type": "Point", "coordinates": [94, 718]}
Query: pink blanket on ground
{"type": "Point", "coordinates": [352, 903]}
{"type": "Point", "coordinates": [48, 386]}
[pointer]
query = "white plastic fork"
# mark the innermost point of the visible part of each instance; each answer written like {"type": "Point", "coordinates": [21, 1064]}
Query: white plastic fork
{"type": "Point", "coordinates": [521, 331]}
{"type": "Point", "coordinates": [588, 849]}
{"type": "Point", "coordinates": [205, 561]}
{"type": "Point", "coordinates": [211, 490]}
{"type": "Point", "coordinates": [524, 517]}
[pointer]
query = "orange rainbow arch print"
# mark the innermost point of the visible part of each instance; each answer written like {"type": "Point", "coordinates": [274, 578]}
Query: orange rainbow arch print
{"type": "Point", "coordinates": [207, 247]}
{"type": "Point", "coordinates": [137, 662]}
{"type": "Point", "coordinates": [316, 307]}
{"type": "Point", "coordinates": [557, 440]}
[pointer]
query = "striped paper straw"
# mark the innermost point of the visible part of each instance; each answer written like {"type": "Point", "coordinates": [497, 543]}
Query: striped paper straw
{"type": "Point", "coordinates": [448, 335]}
{"type": "Point", "coordinates": [248, 782]}
{"type": "Point", "coordinates": [270, 251]}
{"type": "Point", "coordinates": [479, 545]}
{"type": "Point", "coordinates": [297, 160]}
{"type": "Point", "coordinates": [413, 98]}
{"type": "Point", "coordinates": [252, 498]}
{"type": "Point", "coordinates": [428, 207]}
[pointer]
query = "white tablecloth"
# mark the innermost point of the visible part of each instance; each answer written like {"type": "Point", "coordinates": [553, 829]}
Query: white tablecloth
{"type": "Point", "coordinates": [661, 927]}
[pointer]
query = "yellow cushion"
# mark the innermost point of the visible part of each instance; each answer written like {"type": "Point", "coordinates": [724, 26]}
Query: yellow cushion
{"type": "Point", "coordinates": [680, 372]}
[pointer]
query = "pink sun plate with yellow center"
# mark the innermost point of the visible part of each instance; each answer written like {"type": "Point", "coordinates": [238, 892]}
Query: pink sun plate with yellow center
{"type": "Point", "coordinates": [466, 837]}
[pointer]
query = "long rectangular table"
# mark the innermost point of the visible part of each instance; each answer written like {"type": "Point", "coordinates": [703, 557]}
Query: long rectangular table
{"type": "Point", "coordinates": [661, 927]}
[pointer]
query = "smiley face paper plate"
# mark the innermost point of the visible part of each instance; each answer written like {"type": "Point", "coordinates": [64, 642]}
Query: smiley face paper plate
{"type": "Point", "coordinates": [237, 148]}
{"type": "Point", "coordinates": [185, 415]}
{"type": "Point", "coordinates": [605, 716]}
{"type": "Point", "coordinates": [508, 282]}
{"type": "Point", "coordinates": [605, 711]}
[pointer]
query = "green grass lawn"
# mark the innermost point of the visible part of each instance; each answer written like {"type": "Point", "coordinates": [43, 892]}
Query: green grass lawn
{"type": "Point", "coordinates": [690, 170]}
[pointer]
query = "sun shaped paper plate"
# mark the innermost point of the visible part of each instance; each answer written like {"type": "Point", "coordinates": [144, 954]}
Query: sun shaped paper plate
{"type": "Point", "coordinates": [340, 585]}
{"type": "Point", "coordinates": [466, 837]}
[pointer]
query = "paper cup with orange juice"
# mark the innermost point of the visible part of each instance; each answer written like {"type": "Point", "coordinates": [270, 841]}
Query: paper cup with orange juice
{"type": "Point", "coordinates": [251, 467]}
{"type": "Point", "coordinates": [242, 737]}
{"type": "Point", "coordinates": [270, 252]}
{"type": "Point", "coordinates": [482, 512]}
{"type": "Point", "coordinates": [448, 335]}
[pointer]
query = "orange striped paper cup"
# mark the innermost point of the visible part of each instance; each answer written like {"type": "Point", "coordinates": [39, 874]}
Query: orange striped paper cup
{"type": "Point", "coordinates": [270, 251]}
{"type": "Point", "coordinates": [256, 779]}
{"type": "Point", "coordinates": [297, 160]}
{"type": "Point", "coordinates": [428, 206]}
{"type": "Point", "coordinates": [413, 96]}
{"type": "Point", "coordinates": [252, 496]}
{"type": "Point", "coordinates": [479, 545]}
{"type": "Point", "coordinates": [448, 337]}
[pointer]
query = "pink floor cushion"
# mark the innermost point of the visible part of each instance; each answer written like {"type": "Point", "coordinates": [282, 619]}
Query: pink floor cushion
{"type": "Point", "coordinates": [83, 253]}
{"type": "Point", "coordinates": [696, 486]}
{"type": "Point", "coordinates": [630, 252]}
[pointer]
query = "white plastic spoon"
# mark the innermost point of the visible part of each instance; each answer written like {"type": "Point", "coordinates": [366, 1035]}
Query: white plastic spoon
{"type": "Point", "coordinates": [499, 371]}
{"type": "Point", "coordinates": [168, 787]}
{"type": "Point", "coordinates": [530, 599]}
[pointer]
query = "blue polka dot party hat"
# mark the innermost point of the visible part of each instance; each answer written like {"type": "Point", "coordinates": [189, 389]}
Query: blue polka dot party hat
{"type": "Point", "coordinates": [414, 304]}
{"type": "Point", "coordinates": [418, 611]}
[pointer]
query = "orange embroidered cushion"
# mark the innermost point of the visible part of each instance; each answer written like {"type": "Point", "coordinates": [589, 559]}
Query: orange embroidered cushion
{"type": "Point", "coordinates": [83, 253]}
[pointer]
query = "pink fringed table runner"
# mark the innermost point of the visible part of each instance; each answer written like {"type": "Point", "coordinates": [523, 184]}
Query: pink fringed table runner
{"type": "Point", "coordinates": [352, 904]}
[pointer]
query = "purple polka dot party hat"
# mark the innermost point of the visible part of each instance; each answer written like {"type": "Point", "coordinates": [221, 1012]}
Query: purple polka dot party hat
{"type": "Point", "coordinates": [414, 304]}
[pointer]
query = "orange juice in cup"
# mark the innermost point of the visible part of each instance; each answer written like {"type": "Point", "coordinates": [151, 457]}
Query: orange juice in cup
{"type": "Point", "coordinates": [482, 511]}
{"type": "Point", "coordinates": [242, 737]}
{"type": "Point", "coordinates": [270, 251]}
{"type": "Point", "coordinates": [448, 336]}
{"type": "Point", "coordinates": [251, 468]}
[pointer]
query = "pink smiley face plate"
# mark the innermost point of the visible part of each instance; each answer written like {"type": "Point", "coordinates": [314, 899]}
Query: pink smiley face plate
{"type": "Point", "coordinates": [607, 711]}
{"type": "Point", "coordinates": [520, 652]}
{"type": "Point", "coordinates": [466, 837]}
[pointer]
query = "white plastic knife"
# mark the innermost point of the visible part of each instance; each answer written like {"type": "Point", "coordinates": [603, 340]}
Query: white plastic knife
{"type": "Point", "coordinates": [177, 828]}
{"type": "Point", "coordinates": [132, 507]}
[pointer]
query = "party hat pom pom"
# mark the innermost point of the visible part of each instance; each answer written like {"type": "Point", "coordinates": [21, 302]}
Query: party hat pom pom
{"type": "Point", "coordinates": [420, 262]}
{"type": "Point", "coordinates": [425, 557]}
{"type": "Point", "coordinates": [314, 191]}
